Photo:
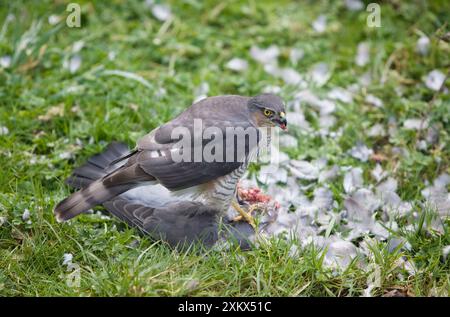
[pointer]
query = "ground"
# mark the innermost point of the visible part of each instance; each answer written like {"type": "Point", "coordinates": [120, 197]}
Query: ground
{"type": "Point", "coordinates": [67, 92]}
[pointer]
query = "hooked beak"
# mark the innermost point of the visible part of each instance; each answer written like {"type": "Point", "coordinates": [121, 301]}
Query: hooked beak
{"type": "Point", "coordinates": [281, 121]}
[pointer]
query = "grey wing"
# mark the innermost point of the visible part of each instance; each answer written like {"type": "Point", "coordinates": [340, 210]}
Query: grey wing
{"type": "Point", "coordinates": [175, 174]}
{"type": "Point", "coordinates": [97, 166]}
{"type": "Point", "coordinates": [179, 224]}
{"type": "Point", "coordinates": [216, 111]}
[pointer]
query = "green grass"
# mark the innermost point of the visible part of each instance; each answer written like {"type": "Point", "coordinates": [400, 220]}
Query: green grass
{"type": "Point", "coordinates": [178, 56]}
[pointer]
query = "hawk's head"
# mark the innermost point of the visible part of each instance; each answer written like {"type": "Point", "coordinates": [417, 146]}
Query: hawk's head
{"type": "Point", "coordinates": [268, 111]}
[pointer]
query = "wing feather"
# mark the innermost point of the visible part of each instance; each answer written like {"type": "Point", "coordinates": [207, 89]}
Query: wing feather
{"type": "Point", "coordinates": [219, 112]}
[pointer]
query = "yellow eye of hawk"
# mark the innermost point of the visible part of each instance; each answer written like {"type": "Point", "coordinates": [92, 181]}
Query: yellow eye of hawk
{"type": "Point", "coordinates": [267, 112]}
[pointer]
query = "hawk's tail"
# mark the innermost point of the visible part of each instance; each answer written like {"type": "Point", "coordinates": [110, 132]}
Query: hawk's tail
{"type": "Point", "coordinates": [96, 187]}
{"type": "Point", "coordinates": [95, 194]}
{"type": "Point", "coordinates": [97, 166]}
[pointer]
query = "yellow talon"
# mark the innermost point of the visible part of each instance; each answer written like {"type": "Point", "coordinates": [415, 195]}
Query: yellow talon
{"type": "Point", "coordinates": [244, 215]}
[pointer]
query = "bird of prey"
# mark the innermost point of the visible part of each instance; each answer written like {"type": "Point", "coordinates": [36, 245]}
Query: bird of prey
{"type": "Point", "coordinates": [148, 188]}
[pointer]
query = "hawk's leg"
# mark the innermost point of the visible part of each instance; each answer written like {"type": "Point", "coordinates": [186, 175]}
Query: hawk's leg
{"type": "Point", "coordinates": [243, 214]}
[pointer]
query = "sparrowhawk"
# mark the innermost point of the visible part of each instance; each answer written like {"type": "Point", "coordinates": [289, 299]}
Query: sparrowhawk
{"type": "Point", "coordinates": [149, 174]}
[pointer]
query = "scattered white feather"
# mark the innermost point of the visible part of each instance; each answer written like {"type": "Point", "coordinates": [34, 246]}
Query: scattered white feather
{"type": "Point", "coordinates": [285, 195]}
{"type": "Point", "coordinates": [392, 204]}
{"type": "Point", "coordinates": [423, 45]}
{"type": "Point", "coordinates": [72, 64]}
{"type": "Point", "coordinates": [323, 199]}
{"type": "Point", "coordinates": [272, 69]}
{"type": "Point", "coordinates": [67, 259]}
{"type": "Point", "coordinates": [295, 55]}
{"type": "Point", "coordinates": [340, 254]}
{"type": "Point", "coordinates": [265, 56]}
{"type": "Point", "coordinates": [284, 222]}
{"type": "Point", "coordinates": [361, 152]}
{"type": "Point", "coordinates": [161, 12]}
{"type": "Point", "coordinates": [446, 251]}
{"type": "Point", "coordinates": [326, 122]}
{"type": "Point", "coordinates": [294, 251]}
{"type": "Point", "coordinates": [304, 170]}
{"type": "Point", "coordinates": [290, 76]}
{"type": "Point", "coordinates": [326, 106]}
{"type": "Point", "coordinates": [354, 5]}
{"type": "Point", "coordinates": [272, 174]}
{"type": "Point", "coordinates": [434, 80]}
{"type": "Point", "coordinates": [54, 19]}
{"type": "Point", "coordinates": [282, 157]}
{"type": "Point", "coordinates": [308, 98]}
{"type": "Point", "coordinates": [26, 215]}
{"type": "Point", "coordinates": [4, 130]}
{"type": "Point", "coordinates": [237, 64]}
{"type": "Point", "coordinates": [389, 185]}
{"type": "Point", "coordinates": [415, 124]}
{"type": "Point", "coordinates": [111, 55]}
{"type": "Point", "coordinates": [437, 196]}
{"type": "Point", "coordinates": [77, 46]}
{"type": "Point", "coordinates": [328, 174]}
{"type": "Point", "coordinates": [422, 145]}
{"type": "Point", "coordinates": [374, 101]}
{"type": "Point", "coordinates": [376, 130]}
{"type": "Point", "coordinates": [320, 24]}
{"type": "Point", "coordinates": [10, 17]}
{"type": "Point", "coordinates": [320, 74]}
{"type": "Point", "coordinates": [65, 155]}
{"type": "Point", "coordinates": [314, 239]}
{"type": "Point", "coordinates": [378, 173]}
{"type": "Point", "coordinates": [442, 180]}
{"type": "Point", "coordinates": [361, 204]}
{"type": "Point", "coordinates": [406, 265]}
{"type": "Point", "coordinates": [341, 94]}
{"type": "Point", "coordinates": [289, 141]}
{"type": "Point", "coordinates": [297, 119]}
{"type": "Point", "coordinates": [396, 242]}
{"type": "Point", "coordinates": [380, 231]}
{"type": "Point", "coordinates": [272, 89]}
{"type": "Point", "coordinates": [5, 61]}
{"type": "Point", "coordinates": [362, 54]}
{"type": "Point", "coordinates": [353, 179]}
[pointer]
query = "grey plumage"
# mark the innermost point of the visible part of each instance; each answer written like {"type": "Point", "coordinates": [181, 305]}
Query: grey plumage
{"type": "Point", "coordinates": [220, 112]}
{"type": "Point", "coordinates": [143, 166]}
{"type": "Point", "coordinates": [179, 223]}
{"type": "Point", "coordinates": [97, 166]}
{"type": "Point", "coordinates": [209, 183]}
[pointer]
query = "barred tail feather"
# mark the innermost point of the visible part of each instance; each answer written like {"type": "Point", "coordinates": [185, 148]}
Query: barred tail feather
{"type": "Point", "coordinates": [97, 166]}
{"type": "Point", "coordinates": [96, 193]}
{"type": "Point", "coordinates": [90, 179]}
